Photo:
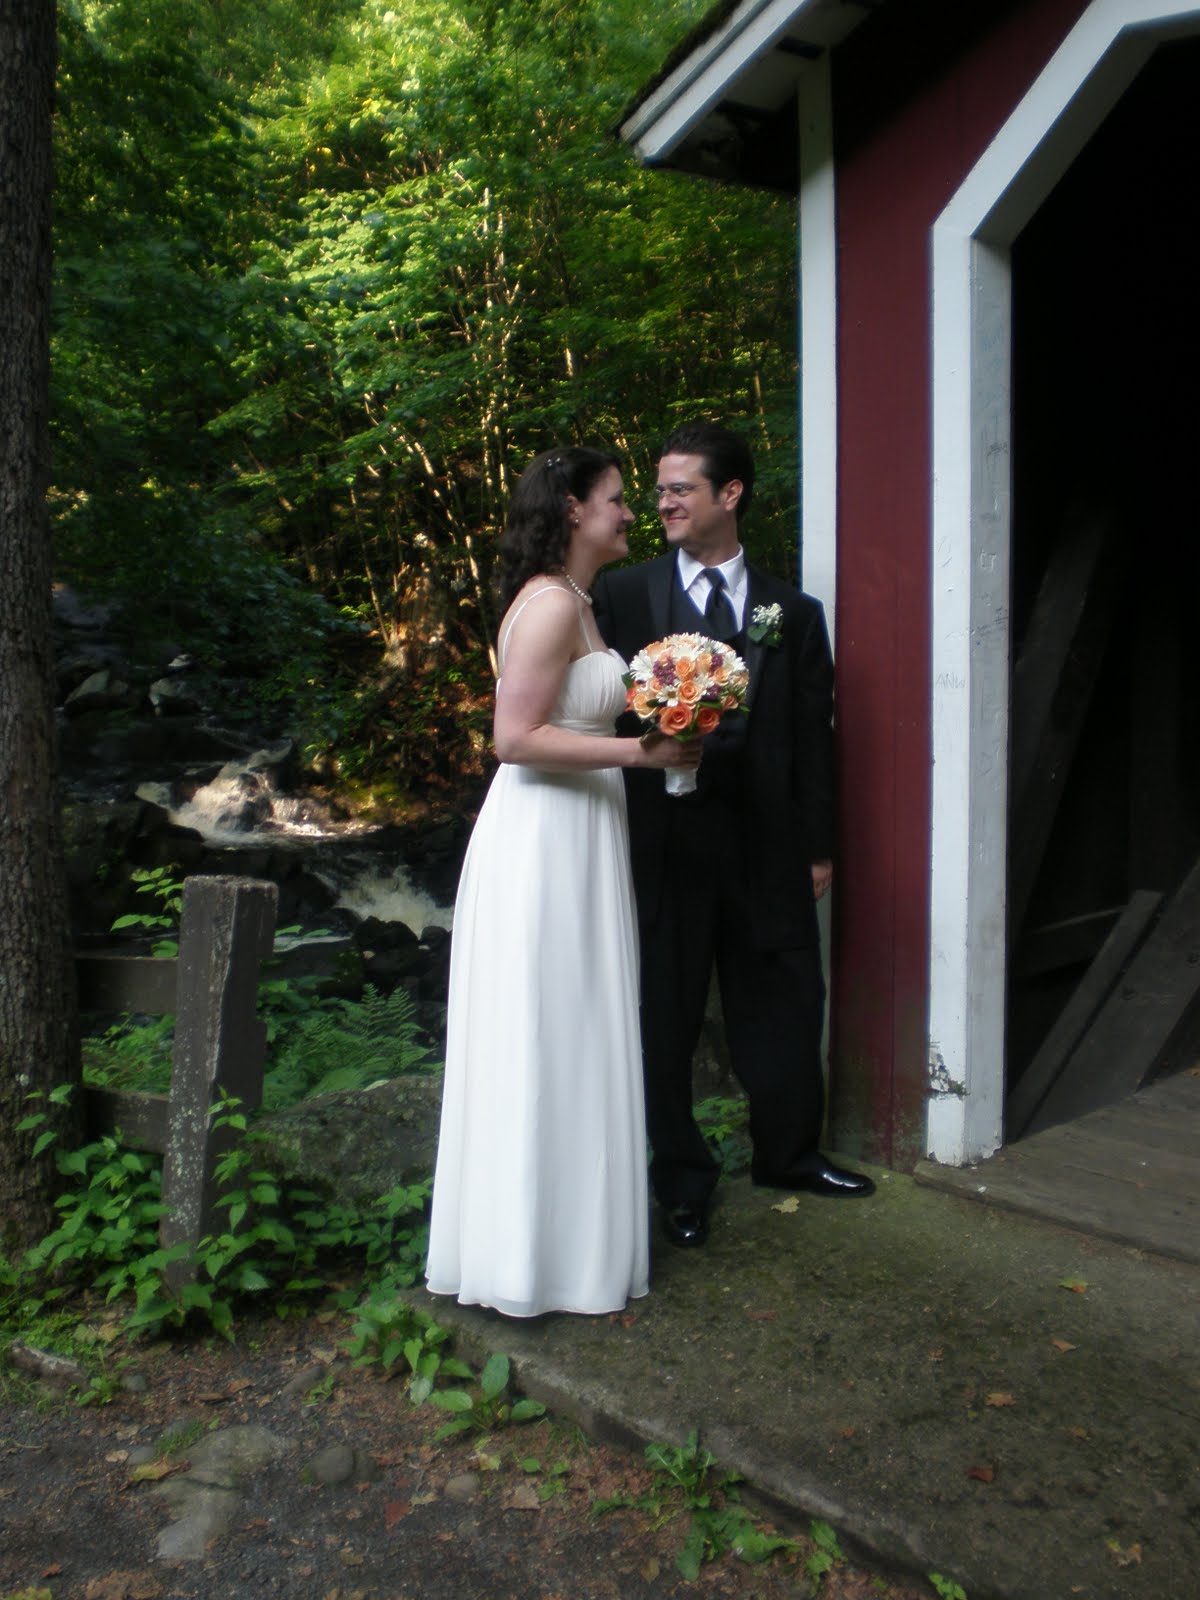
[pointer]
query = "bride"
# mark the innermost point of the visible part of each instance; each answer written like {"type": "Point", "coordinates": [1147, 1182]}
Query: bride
{"type": "Point", "coordinates": [539, 1197]}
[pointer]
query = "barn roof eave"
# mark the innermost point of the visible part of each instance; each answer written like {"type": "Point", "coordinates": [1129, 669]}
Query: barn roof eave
{"type": "Point", "coordinates": [718, 95]}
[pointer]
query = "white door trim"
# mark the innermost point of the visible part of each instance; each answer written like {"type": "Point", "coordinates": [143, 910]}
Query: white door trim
{"type": "Point", "coordinates": [818, 339]}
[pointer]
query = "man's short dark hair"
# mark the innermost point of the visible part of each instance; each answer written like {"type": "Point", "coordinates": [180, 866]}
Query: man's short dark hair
{"type": "Point", "coordinates": [725, 454]}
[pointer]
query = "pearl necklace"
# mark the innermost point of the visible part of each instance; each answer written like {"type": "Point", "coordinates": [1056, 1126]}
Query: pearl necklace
{"type": "Point", "coordinates": [570, 581]}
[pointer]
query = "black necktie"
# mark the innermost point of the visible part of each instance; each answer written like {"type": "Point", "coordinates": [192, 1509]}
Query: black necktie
{"type": "Point", "coordinates": [718, 613]}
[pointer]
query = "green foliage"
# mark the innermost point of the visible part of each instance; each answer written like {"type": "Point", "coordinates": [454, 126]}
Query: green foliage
{"type": "Point", "coordinates": [335, 1044]}
{"type": "Point", "coordinates": [317, 1044]}
{"type": "Point", "coordinates": [825, 1554]}
{"type": "Point", "coordinates": [946, 1588]}
{"type": "Point", "coordinates": [162, 884]}
{"type": "Point", "coordinates": [131, 1055]}
{"type": "Point", "coordinates": [725, 1125]}
{"type": "Point", "coordinates": [325, 280]}
{"type": "Point", "coordinates": [276, 1243]}
{"type": "Point", "coordinates": [681, 1483]}
{"type": "Point", "coordinates": [488, 1409]}
{"type": "Point", "coordinates": [386, 1328]}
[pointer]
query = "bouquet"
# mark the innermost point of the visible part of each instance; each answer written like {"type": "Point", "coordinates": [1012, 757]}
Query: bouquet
{"type": "Point", "coordinates": [682, 686]}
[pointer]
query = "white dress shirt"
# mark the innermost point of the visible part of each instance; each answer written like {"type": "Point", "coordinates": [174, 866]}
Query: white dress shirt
{"type": "Point", "coordinates": [697, 587]}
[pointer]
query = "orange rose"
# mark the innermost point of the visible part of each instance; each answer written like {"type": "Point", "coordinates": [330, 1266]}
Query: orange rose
{"type": "Point", "coordinates": [689, 692]}
{"type": "Point", "coordinates": [642, 703]}
{"type": "Point", "coordinates": [717, 670]}
{"type": "Point", "coordinates": [728, 702]}
{"type": "Point", "coordinates": [675, 719]}
{"type": "Point", "coordinates": [685, 668]}
{"type": "Point", "coordinates": [707, 718]}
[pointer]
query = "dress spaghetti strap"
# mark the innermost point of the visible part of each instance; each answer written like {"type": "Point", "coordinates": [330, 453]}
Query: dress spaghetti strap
{"type": "Point", "coordinates": [547, 588]}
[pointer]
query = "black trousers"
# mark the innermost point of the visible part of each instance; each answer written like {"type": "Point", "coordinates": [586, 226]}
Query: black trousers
{"type": "Point", "coordinates": [773, 1003]}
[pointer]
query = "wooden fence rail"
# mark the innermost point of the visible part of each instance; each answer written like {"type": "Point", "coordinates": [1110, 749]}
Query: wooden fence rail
{"type": "Point", "coordinates": [226, 931]}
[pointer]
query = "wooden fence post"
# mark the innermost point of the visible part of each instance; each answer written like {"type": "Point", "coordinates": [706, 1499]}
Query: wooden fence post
{"type": "Point", "coordinates": [226, 930]}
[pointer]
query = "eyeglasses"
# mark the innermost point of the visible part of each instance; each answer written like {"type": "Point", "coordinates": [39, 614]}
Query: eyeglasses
{"type": "Point", "coordinates": [679, 490]}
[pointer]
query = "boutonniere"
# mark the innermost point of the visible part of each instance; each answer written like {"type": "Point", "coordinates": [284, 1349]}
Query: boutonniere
{"type": "Point", "coordinates": [766, 625]}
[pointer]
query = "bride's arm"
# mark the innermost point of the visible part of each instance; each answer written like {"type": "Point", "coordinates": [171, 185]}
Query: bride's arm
{"type": "Point", "coordinates": [537, 653]}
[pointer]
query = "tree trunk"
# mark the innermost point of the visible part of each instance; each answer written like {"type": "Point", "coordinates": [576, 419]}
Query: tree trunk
{"type": "Point", "coordinates": [38, 1043]}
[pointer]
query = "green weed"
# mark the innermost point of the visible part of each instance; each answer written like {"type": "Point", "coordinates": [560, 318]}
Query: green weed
{"type": "Point", "coordinates": [489, 1409]}
{"type": "Point", "coordinates": [277, 1240]}
{"type": "Point", "coordinates": [946, 1588]}
{"type": "Point", "coordinates": [682, 1483]}
{"type": "Point", "coordinates": [725, 1125]}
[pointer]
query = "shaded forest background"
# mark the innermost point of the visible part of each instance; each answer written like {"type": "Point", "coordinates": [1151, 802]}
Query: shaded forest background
{"type": "Point", "coordinates": [326, 275]}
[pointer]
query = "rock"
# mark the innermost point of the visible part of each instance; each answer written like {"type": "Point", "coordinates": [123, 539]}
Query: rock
{"type": "Point", "coordinates": [237, 1450]}
{"type": "Point", "coordinates": [209, 1514]}
{"type": "Point", "coordinates": [376, 934]}
{"type": "Point", "coordinates": [135, 1383]}
{"type": "Point", "coordinates": [335, 1464]}
{"type": "Point", "coordinates": [171, 696]}
{"type": "Point", "coordinates": [101, 691]}
{"type": "Point", "coordinates": [304, 1380]}
{"type": "Point", "coordinates": [357, 1145]}
{"type": "Point", "coordinates": [58, 1371]}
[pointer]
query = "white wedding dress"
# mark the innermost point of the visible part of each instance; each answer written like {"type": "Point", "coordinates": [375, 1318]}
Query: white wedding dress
{"type": "Point", "coordinates": [539, 1197]}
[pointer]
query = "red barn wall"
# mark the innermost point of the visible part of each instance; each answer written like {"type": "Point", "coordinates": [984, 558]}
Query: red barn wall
{"type": "Point", "coordinates": [919, 91]}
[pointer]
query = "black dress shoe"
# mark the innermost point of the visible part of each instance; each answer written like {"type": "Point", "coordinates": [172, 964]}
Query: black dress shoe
{"type": "Point", "coordinates": [685, 1226]}
{"type": "Point", "coordinates": [816, 1175]}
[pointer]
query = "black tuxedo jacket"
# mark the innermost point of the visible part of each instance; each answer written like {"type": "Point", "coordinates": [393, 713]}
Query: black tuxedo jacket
{"type": "Point", "coordinates": [786, 806]}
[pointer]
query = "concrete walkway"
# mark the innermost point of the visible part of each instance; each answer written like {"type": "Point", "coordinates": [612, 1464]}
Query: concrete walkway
{"type": "Point", "coordinates": [955, 1389]}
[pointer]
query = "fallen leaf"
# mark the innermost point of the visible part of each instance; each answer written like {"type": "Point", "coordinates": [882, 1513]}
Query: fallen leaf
{"type": "Point", "coordinates": [117, 1456]}
{"type": "Point", "coordinates": [936, 1355]}
{"type": "Point", "coordinates": [238, 1384]}
{"type": "Point", "coordinates": [792, 1203]}
{"type": "Point", "coordinates": [1129, 1557]}
{"type": "Point", "coordinates": [1076, 1285]}
{"type": "Point", "coordinates": [848, 1433]}
{"type": "Point", "coordinates": [523, 1497]}
{"type": "Point", "coordinates": [153, 1471]}
{"type": "Point", "coordinates": [350, 1558]}
{"type": "Point", "coordinates": [1062, 1344]}
{"type": "Point", "coordinates": [651, 1570]}
{"type": "Point", "coordinates": [394, 1511]}
{"type": "Point", "coordinates": [762, 1316]}
{"type": "Point", "coordinates": [423, 1499]}
{"type": "Point", "coordinates": [1000, 1398]}
{"type": "Point", "coordinates": [1078, 1433]}
{"type": "Point", "coordinates": [984, 1474]}
{"type": "Point", "coordinates": [209, 1397]}
{"type": "Point", "coordinates": [53, 1571]}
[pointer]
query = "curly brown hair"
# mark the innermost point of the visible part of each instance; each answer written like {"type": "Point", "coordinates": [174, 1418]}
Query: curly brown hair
{"type": "Point", "coordinates": [537, 532]}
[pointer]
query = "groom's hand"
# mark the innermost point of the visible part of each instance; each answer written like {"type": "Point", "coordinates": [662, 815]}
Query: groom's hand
{"type": "Point", "coordinates": [822, 872]}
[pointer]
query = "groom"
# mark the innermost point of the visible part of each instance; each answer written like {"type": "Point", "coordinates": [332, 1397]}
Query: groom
{"type": "Point", "coordinates": [732, 873]}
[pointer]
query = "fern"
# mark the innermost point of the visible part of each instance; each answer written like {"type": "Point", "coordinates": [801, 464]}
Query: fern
{"type": "Point", "coordinates": [348, 1044]}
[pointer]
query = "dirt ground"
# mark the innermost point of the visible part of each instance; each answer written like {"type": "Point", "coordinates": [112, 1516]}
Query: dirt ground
{"type": "Point", "coordinates": [510, 1516]}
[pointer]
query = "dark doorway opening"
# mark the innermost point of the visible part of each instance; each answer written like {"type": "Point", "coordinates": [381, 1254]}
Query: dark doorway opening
{"type": "Point", "coordinates": [1104, 819]}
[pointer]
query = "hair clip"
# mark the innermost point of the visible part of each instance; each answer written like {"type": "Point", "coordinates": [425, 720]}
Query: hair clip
{"type": "Point", "coordinates": [553, 461]}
